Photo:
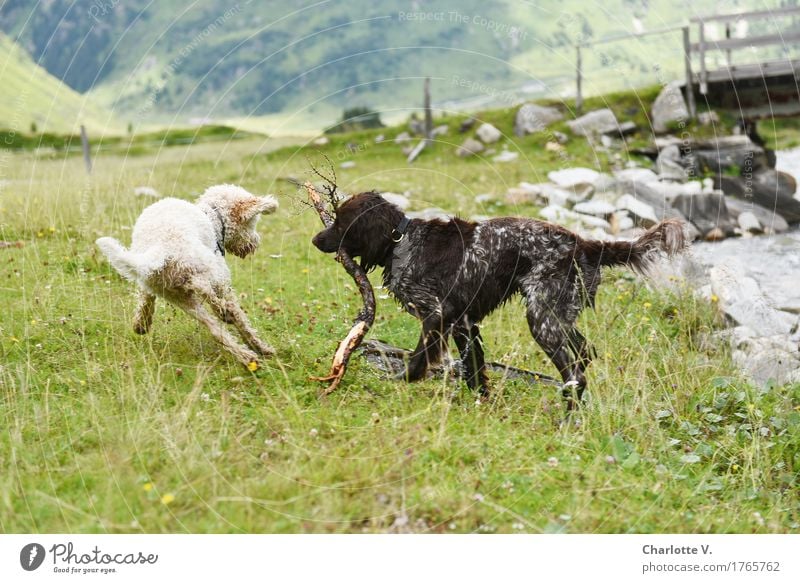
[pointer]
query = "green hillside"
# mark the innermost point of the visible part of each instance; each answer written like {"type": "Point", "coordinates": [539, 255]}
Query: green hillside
{"type": "Point", "coordinates": [308, 60]}
{"type": "Point", "coordinates": [33, 97]}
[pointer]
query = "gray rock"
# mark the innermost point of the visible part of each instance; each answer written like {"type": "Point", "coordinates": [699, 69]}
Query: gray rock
{"type": "Point", "coordinates": [668, 165]}
{"type": "Point", "coordinates": [626, 128]}
{"type": "Point", "coordinates": [467, 125]}
{"type": "Point", "coordinates": [571, 177]}
{"type": "Point", "coordinates": [770, 221]}
{"type": "Point", "coordinates": [560, 137]}
{"type": "Point", "coordinates": [708, 118]}
{"type": "Point", "coordinates": [772, 359]}
{"type": "Point", "coordinates": [506, 156]}
{"type": "Point", "coordinates": [741, 299]}
{"type": "Point", "coordinates": [470, 147]}
{"type": "Point", "coordinates": [430, 213]}
{"type": "Point", "coordinates": [596, 122]}
{"type": "Point", "coordinates": [402, 137]}
{"type": "Point", "coordinates": [642, 213]}
{"type": "Point", "coordinates": [399, 200]}
{"type": "Point", "coordinates": [635, 175]}
{"type": "Point", "coordinates": [440, 130]}
{"type": "Point", "coordinates": [532, 118]}
{"type": "Point", "coordinates": [749, 223]}
{"type": "Point", "coordinates": [706, 211]}
{"type": "Point", "coordinates": [484, 198]}
{"type": "Point", "coordinates": [669, 107]}
{"type": "Point", "coordinates": [597, 208]}
{"type": "Point", "coordinates": [488, 134]}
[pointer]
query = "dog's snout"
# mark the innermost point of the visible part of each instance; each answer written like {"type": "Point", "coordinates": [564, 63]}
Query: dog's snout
{"type": "Point", "coordinates": [323, 242]}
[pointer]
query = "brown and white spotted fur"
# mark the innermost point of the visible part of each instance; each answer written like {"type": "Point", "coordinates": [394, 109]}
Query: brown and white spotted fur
{"type": "Point", "coordinates": [451, 274]}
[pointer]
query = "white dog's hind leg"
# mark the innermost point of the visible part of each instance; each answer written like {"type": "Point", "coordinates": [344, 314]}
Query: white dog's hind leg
{"type": "Point", "coordinates": [195, 309]}
{"type": "Point", "coordinates": [143, 318]}
{"type": "Point", "coordinates": [239, 319]}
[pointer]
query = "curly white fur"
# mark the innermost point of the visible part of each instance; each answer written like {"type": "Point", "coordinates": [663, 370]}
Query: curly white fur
{"type": "Point", "coordinates": [176, 253]}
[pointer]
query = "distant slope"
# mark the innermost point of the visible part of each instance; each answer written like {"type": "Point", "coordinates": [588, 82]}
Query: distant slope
{"type": "Point", "coordinates": [31, 95]}
{"type": "Point", "coordinates": [222, 58]}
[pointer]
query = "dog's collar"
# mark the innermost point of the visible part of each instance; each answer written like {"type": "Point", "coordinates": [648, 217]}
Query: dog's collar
{"type": "Point", "coordinates": [400, 230]}
{"type": "Point", "coordinates": [221, 238]}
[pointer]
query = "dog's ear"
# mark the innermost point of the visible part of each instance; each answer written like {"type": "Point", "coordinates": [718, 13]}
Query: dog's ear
{"type": "Point", "coordinates": [244, 210]}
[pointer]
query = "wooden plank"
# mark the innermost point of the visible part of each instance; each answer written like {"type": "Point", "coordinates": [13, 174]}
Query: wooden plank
{"type": "Point", "coordinates": [753, 15]}
{"type": "Point", "coordinates": [752, 41]}
{"type": "Point", "coordinates": [752, 71]}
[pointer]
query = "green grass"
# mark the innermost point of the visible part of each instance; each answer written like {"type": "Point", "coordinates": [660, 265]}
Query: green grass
{"type": "Point", "coordinates": [31, 95]}
{"type": "Point", "coordinates": [106, 431]}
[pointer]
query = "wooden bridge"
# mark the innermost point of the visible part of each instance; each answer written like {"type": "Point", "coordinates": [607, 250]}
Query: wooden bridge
{"type": "Point", "coordinates": [754, 89]}
{"type": "Point", "coordinates": [767, 88]}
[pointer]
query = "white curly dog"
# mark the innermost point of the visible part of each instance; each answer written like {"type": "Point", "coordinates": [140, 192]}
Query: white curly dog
{"type": "Point", "coordinates": [178, 253]}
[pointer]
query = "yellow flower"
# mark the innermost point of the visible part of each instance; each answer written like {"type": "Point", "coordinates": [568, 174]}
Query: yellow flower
{"type": "Point", "coordinates": [304, 270]}
{"type": "Point", "coordinates": [647, 304]}
{"type": "Point", "coordinates": [14, 339]}
{"type": "Point", "coordinates": [714, 298]}
{"type": "Point", "coordinates": [268, 300]}
{"type": "Point", "coordinates": [33, 322]}
{"type": "Point", "coordinates": [252, 366]}
{"type": "Point", "coordinates": [645, 319]}
{"type": "Point", "coordinates": [167, 499]}
{"type": "Point", "coordinates": [147, 486]}
{"type": "Point", "coordinates": [52, 229]}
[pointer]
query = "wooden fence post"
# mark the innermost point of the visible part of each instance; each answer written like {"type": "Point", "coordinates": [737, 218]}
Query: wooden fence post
{"type": "Point", "coordinates": [579, 82]}
{"type": "Point", "coordinates": [86, 154]}
{"type": "Point", "coordinates": [687, 51]}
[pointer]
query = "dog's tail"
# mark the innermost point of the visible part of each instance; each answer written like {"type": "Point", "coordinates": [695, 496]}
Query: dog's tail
{"type": "Point", "coordinates": [666, 238]}
{"type": "Point", "coordinates": [129, 265]}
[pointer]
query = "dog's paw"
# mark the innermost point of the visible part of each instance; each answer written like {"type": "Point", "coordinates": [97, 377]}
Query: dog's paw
{"type": "Point", "coordinates": [265, 349]}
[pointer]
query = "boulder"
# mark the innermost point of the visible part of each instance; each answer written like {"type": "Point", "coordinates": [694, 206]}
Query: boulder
{"type": "Point", "coordinates": [741, 299]}
{"type": "Point", "coordinates": [571, 177]}
{"type": "Point", "coordinates": [488, 134]}
{"type": "Point", "coordinates": [402, 137]}
{"type": "Point", "coordinates": [146, 191]}
{"type": "Point", "coordinates": [440, 130]}
{"type": "Point", "coordinates": [634, 175]}
{"type": "Point", "coordinates": [669, 107]}
{"type": "Point", "coordinates": [470, 147]}
{"type": "Point", "coordinates": [771, 359]}
{"type": "Point", "coordinates": [597, 208]}
{"type": "Point", "coordinates": [668, 165]}
{"type": "Point", "coordinates": [467, 125]}
{"type": "Point", "coordinates": [596, 122]}
{"type": "Point", "coordinates": [525, 193]}
{"type": "Point", "coordinates": [532, 118]}
{"type": "Point", "coordinates": [768, 188]}
{"type": "Point", "coordinates": [770, 221]}
{"type": "Point", "coordinates": [775, 189]}
{"type": "Point", "coordinates": [727, 155]}
{"type": "Point", "coordinates": [626, 128]}
{"type": "Point", "coordinates": [748, 223]}
{"type": "Point", "coordinates": [506, 156]}
{"type": "Point", "coordinates": [399, 200]}
{"type": "Point", "coordinates": [642, 213]}
{"type": "Point", "coordinates": [707, 212]}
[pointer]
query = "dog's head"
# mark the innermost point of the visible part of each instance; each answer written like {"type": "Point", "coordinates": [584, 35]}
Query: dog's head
{"type": "Point", "coordinates": [240, 212]}
{"type": "Point", "coordinates": [363, 227]}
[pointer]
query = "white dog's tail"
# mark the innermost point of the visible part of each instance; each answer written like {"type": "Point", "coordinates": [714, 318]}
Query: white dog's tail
{"type": "Point", "coordinates": [129, 265]}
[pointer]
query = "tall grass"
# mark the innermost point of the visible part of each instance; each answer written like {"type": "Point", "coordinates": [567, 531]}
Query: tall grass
{"type": "Point", "coordinates": [106, 431]}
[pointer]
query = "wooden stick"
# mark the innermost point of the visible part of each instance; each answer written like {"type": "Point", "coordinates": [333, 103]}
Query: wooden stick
{"type": "Point", "coordinates": [366, 316]}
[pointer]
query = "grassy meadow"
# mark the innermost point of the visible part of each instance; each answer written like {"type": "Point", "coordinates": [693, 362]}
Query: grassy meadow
{"type": "Point", "coordinates": [106, 431]}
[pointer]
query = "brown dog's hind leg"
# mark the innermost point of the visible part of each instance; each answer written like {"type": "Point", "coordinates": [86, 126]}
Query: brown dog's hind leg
{"type": "Point", "coordinates": [143, 319]}
{"type": "Point", "coordinates": [564, 345]}
{"type": "Point", "coordinates": [470, 347]}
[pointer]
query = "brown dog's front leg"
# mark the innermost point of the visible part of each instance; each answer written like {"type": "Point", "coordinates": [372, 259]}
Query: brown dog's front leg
{"type": "Point", "coordinates": [428, 351]}
{"type": "Point", "coordinates": [470, 347]}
